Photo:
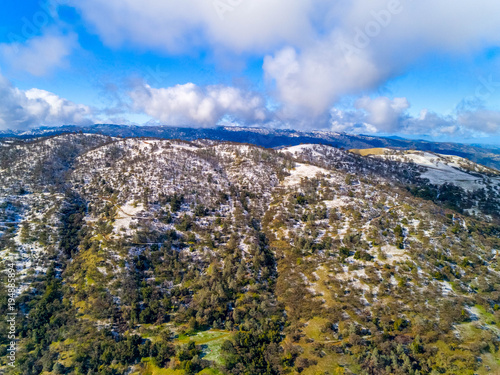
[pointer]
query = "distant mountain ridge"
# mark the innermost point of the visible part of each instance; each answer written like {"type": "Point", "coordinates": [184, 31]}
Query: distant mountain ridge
{"type": "Point", "coordinates": [273, 138]}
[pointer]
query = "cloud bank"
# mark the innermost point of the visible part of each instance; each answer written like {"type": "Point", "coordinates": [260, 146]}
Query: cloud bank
{"type": "Point", "coordinates": [190, 104]}
{"type": "Point", "coordinates": [180, 26]}
{"type": "Point", "coordinates": [32, 108]}
{"type": "Point", "coordinates": [316, 51]}
{"type": "Point", "coordinates": [390, 116]}
{"type": "Point", "coordinates": [314, 54]}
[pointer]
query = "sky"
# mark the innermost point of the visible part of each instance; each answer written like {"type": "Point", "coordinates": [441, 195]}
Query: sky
{"type": "Point", "coordinates": [416, 69]}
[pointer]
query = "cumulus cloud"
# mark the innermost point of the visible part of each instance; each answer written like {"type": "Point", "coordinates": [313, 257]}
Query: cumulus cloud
{"type": "Point", "coordinates": [429, 122]}
{"type": "Point", "coordinates": [54, 109]}
{"type": "Point", "coordinates": [390, 116]}
{"type": "Point", "coordinates": [314, 53]}
{"type": "Point", "coordinates": [481, 120]}
{"type": "Point", "coordinates": [39, 55]}
{"type": "Point", "coordinates": [309, 82]}
{"type": "Point", "coordinates": [317, 50]}
{"type": "Point", "coordinates": [373, 115]}
{"type": "Point", "coordinates": [349, 121]}
{"type": "Point", "coordinates": [374, 41]}
{"type": "Point", "coordinates": [190, 104]}
{"type": "Point", "coordinates": [178, 26]}
{"type": "Point", "coordinates": [32, 108]}
{"type": "Point", "coordinates": [260, 24]}
{"type": "Point", "coordinates": [384, 114]}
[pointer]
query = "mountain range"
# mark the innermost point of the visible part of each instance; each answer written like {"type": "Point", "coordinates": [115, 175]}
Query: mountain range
{"type": "Point", "coordinates": [272, 138]}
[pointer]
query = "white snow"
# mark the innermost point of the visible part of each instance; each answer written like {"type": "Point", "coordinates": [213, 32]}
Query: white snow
{"type": "Point", "coordinates": [298, 149]}
{"type": "Point", "coordinates": [443, 169]}
{"type": "Point", "coordinates": [303, 171]}
{"type": "Point", "coordinates": [303, 149]}
{"type": "Point", "coordinates": [446, 288]}
{"type": "Point", "coordinates": [125, 215]}
{"type": "Point", "coordinates": [338, 202]}
{"type": "Point", "coordinates": [392, 252]}
{"type": "Point", "coordinates": [184, 146]}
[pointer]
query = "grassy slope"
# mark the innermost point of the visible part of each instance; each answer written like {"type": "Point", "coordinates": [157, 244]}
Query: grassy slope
{"type": "Point", "coordinates": [368, 151]}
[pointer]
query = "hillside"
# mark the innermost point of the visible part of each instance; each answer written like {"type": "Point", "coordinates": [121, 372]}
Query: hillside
{"type": "Point", "coordinates": [154, 256]}
{"type": "Point", "coordinates": [272, 138]}
{"type": "Point", "coordinates": [440, 170]}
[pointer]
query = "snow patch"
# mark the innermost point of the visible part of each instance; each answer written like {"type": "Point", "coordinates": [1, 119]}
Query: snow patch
{"type": "Point", "coordinates": [303, 171]}
{"type": "Point", "coordinates": [125, 215]}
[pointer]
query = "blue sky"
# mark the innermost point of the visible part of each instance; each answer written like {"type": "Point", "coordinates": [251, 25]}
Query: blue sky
{"type": "Point", "coordinates": [389, 67]}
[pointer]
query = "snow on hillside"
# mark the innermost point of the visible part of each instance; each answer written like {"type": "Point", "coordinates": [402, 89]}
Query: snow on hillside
{"type": "Point", "coordinates": [303, 171]}
{"type": "Point", "coordinates": [126, 214]}
{"type": "Point", "coordinates": [226, 230]}
{"type": "Point", "coordinates": [443, 169]}
{"type": "Point", "coordinates": [298, 149]}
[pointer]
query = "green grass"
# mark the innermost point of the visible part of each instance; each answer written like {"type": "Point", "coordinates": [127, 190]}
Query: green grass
{"type": "Point", "coordinates": [212, 351]}
{"type": "Point", "coordinates": [313, 329]}
{"type": "Point", "coordinates": [209, 371]}
{"type": "Point", "coordinates": [485, 316]}
{"type": "Point", "coordinates": [454, 359]}
{"type": "Point", "coordinates": [152, 331]}
{"type": "Point", "coordinates": [151, 369]}
{"type": "Point", "coordinates": [493, 363]}
{"type": "Point", "coordinates": [211, 342]}
{"type": "Point", "coordinates": [474, 332]}
{"type": "Point", "coordinates": [333, 363]}
{"type": "Point", "coordinates": [322, 288]}
{"type": "Point", "coordinates": [66, 351]}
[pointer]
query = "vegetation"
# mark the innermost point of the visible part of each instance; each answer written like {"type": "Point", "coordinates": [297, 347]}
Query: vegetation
{"type": "Point", "coordinates": [156, 257]}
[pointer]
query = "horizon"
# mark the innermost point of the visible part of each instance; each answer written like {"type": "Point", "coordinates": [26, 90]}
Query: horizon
{"type": "Point", "coordinates": [64, 129]}
{"type": "Point", "coordinates": [379, 68]}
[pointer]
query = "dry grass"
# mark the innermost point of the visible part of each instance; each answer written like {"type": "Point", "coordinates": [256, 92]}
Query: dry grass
{"type": "Point", "coordinates": [369, 151]}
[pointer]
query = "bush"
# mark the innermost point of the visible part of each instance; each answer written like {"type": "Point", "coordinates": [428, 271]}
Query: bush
{"type": "Point", "coordinates": [362, 255]}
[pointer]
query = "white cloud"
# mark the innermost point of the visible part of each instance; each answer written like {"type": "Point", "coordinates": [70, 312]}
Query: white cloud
{"type": "Point", "coordinates": [383, 114]}
{"type": "Point", "coordinates": [190, 104]}
{"type": "Point", "coordinates": [416, 27]}
{"type": "Point", "coordinates": [32, 108]}
{"type": "Point", "coordinates": [317, 50]}
{"type": "Point", "coordinates": [54, 109]}
{"type": "Point", "coordinates": [481, 120]}
{"type": "Point", "coordinates": [250, 25]}
{"type": "Point", "coordinates": [372, 115]}
{"type": "Point", "coordinates": [390, 116]}
{"type": "Point", "coordinates": [178, 26]}
{"type": "Point", "coordinates": [309, 82]}
{"type": "Point", "coordinates": [349, 121]}
{"type": "Point", "coordinates": [39, 55]}
{"type": "Point", "coordinates": [433, 124]}
{"type": "Point", "coordinates": [371, 41]}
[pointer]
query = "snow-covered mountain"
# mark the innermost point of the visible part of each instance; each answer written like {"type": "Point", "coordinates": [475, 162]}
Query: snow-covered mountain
{"type": "Point", "coordinates": [148, 255]}
{"type": "Point", "coordinates": [269, 138]}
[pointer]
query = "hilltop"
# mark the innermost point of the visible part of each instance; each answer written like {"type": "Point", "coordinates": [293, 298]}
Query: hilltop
{"type": "Point", "coordinates": [273, 138]}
